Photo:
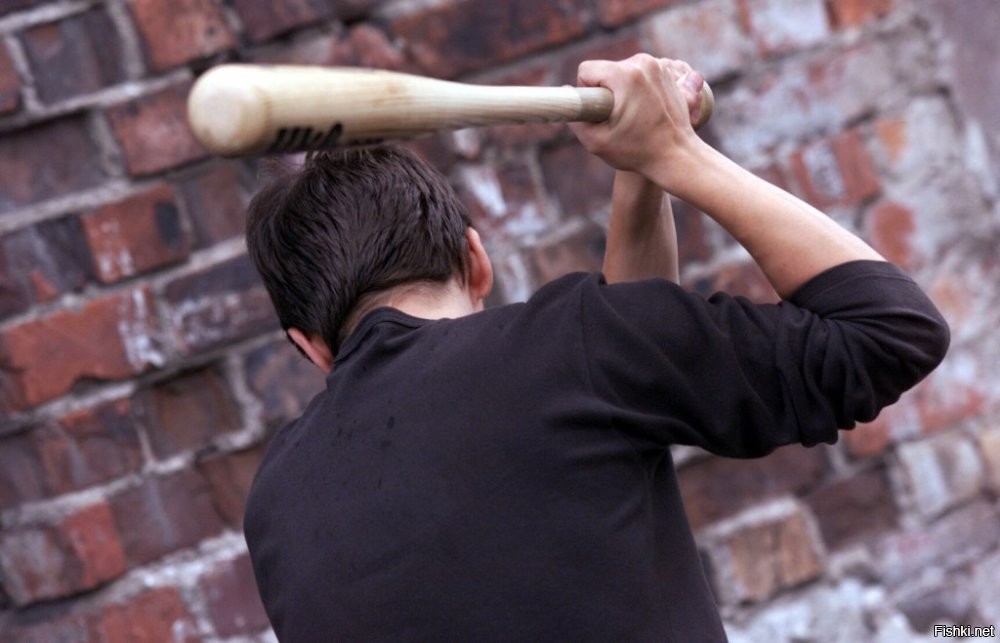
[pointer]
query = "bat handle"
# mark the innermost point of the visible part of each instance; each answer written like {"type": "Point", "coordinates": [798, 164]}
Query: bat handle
{"type": "Point", "coordinates": [596, 104]}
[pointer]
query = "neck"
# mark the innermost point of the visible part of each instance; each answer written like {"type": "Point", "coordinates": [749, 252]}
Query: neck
{"type": "Point", "coordinates": [434, 301]}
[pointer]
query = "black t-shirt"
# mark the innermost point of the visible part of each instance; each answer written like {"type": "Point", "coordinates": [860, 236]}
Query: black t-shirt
{"type": "Point", "coordinates": [506, 476]}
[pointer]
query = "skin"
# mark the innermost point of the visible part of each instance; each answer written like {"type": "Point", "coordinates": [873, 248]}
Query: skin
{"type": "Point", "coordinates": [651, 143]}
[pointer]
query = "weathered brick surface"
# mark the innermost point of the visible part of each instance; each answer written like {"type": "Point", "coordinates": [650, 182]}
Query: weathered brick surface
{"type": "Point", "coordinates": [155, 615]}
{"type": "Point", "coordinates": [225, 303]}
{"type": "Point", "coordinates": [615, 12]}
{"type": "Point", "coordinates": [135, 235]}
{"type": "Point", "coordinates": [178, 31]}
{"type": "Point", "coordinates": [853, 13]}
{"type": "Point", "coordinates": [941, 472]}
{"type": "Point", "coordinates": [32, 173]}
{"type": "Point", "coordinates": [684, 33]}
{"type": "Point", "coordinates": [41, 262]}
{"type": "Point", "coordinates": [582, 251]}
{"type": "Point", "coordinates": [10, 84]}
{"type": "Point", "coordinates": [468, 35]}
{"type": "Point", "coordinates": [579, 181]}
{"type": "Point", "coordinates": [715, 488]}
{"type": "Point", "coordinates": [74, 56]}
{"type": "Point", "coordinates": [229, 477]}
{"type": "Point", "coordinates": [232, 598]}
{"type": "Point", "coordinates": [283, 380]}
{"type": "Point", "coordinates": [153, 132]}
{"type": "Point", "coordinates": [504, 202]}
{"type": "Point", "coordinates": [835, 171]}
{"type": "Point", "coordinates": [781, 26]}
{"type": "Point", "coordinates": [216, 201]}
{"type": "Point", "coordinates": [83, 448]}
{"type": "Point", "coordinates": [48, 561]}
{"type": "Point", "coordinates": [164, 514]}
{"type": "Point", "coordinates": [187, 411]}
{"type": "Point", "coordinates": [106, 339]}
{"type": "Point", "coordinates": [264, 20]}
{"type": "Point", "coordinates": [854, 508]}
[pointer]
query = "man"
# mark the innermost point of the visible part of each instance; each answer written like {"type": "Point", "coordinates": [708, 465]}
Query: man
{"type": "Point", "coordinates": [504, 474]}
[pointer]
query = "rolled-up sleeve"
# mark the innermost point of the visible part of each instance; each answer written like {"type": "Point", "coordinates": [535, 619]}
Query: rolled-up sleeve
{"type": "Point", "coordinates": [741, 379]}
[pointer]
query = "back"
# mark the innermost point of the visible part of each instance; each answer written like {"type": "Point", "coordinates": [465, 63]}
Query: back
{"type": "Point", "coordinates": [458, 480]}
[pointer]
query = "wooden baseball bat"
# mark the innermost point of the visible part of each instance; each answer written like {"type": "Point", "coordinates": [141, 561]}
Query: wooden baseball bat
{"type": "Point", "coordinates": [241, 109]}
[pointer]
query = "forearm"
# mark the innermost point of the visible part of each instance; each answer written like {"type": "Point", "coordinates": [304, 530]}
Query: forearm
{"type": "Point", "coordinates": [790, 240]}
{"type": "Point", "coordinates": [642, 239]}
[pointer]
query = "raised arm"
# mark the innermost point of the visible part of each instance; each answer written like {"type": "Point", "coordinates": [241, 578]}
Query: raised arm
{"type": "Point", "coordinates": [642, 239]}
{"type": "Point", "coordinates": [650, 133]}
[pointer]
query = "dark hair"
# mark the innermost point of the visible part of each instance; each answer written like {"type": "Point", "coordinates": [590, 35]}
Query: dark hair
{"type": "Point", "coordinates": [329, 237]}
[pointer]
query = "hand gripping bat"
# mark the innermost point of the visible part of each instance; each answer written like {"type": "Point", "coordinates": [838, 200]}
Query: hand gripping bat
{"type": "Point", "coordinates": [242, 109]}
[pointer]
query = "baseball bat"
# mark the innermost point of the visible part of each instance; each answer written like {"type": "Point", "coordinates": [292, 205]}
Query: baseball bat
{"type": "Point", "coordinates": [240, 109]}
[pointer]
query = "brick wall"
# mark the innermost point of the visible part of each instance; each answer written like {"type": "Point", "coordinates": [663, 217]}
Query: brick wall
{"type": "Point", "coordinates": [142, 371]}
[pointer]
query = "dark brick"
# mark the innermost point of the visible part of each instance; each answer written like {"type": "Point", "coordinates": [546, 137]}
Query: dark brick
{"type": "Point", "coordinates": [283, 380]}
{"type": "Point", "coordinates": [855, 508]}
{"type": "Point", "coordinates": [81, 449]}
{"type": "Point", "coordinates": [10, 84]}
{"type": "Point", "coordinates": [155, 615]}
{"type": "Point", "coordinates": [692, 233]}
{"type": "Point", "coordinates": [175, 32]}
{"type": "Point", "coordinates": [74, 56]}
{"type": "Point", "coordinates": [225, 303]}
{"type": "Point", "coordinates": [579, 180]}
{"type": "Point", "coordinates": [185, 412]}
{"type": "Point", "coordinates": [137, 234]}
{"type": "Point", "coordinates": [41, 262]}
{"type": "Point", "coordinates": [361, 46]}
{"type": "Point", "coordinates": [233, 602]}
{"type": "Point", "coordinates": [216, 201]}
{"type": "Point", "coordinates": [81, 552]}
{"type": "Point", "coordinates": [165, 514]}
{"type": "Point", "coordinates": [154, 133]}
{"type": "Point", "coordinates": [714, 488]}
{"type": "Point", "coordinates": [581, 251]}
{"type": "Point", "coordinates": [264, 20]}
{"type": "Point", "coordinates": [452, 38]}
{"type": "Point", "coordinates": [33, 173]}
{"type": "Point", "coordinates": [9, 6]}
{"type": "Point", "coordinates": [616, 12]}
{"type": "Point", "coordinates": [106, 339]}
{"type": "Point", "coordinates": [230, 476]}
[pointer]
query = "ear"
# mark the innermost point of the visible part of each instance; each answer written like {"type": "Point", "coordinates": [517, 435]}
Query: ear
{"type": "Point", "coordinates": [314, 348]}
{"type": "Point", "coordinates": [480, 281]}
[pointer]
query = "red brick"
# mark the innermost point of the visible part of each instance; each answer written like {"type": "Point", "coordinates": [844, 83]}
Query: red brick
{"type": "Point", "coordinates": [764, 553]}
{"type": "Point", "coordinates": [941, 472]}
{"type": "Point", "coordinates": [155, 615]}
{"type": "Point", "coordinates": [852, 13]}
{"type": "Point", "coordinates": [869, 440]}
{"type": "Point", "coordinates": [216, 201]}
{"type": "Point", "coordinates": [782, 26]}
{"type": "Point", "coordinates": [178, 31]}
{"type": "Point", "coordinates": [107, 339]}
{"type": "Point", "coordinates": [31, 171]}
{"type": "Point", "coordinates": [61, 628]}
{"type": "Point", "coordinates": [836, 171]}
{"type": "Point", "coordinates": [233, 602]}
{"type": "Point", "coordinates": [48, 561]}
{"type": "Point", "coordinates": [264, 20]}
{"type": "Point", "coordinates": [683, 33]}
{"type": "Point", "coordinates": [83, 448]}
{"type": "Point", "coordinates": [615, 12]}
{"type": "Point", "coordinates": [10, 6]}
{"type": "Point", "coordinates": [230, 477]}
{"type": "Point", "coordinates": [504, 202]}
{"type": "Point", "coordinates": [187, 411]}
{"type": "Point", "coordinates": [136, 235]}
{"type": "Point", "coordinates": [165, 514]}
{"type": "Point", "coordinates": [449, 39]}
{"type": "Point", "coordinates": [890, 227]}
{"type": "Point", "coordinates": [855, 508]}
{"type": "Point", "coordinates": [225, 303]}
{"type": "Point", "coordinates": [583, 250]}
{"type": "Point", "coordinates": [74, 56]}
{"type": "Point", "coordinates": [283, 381]}
{"type": "Point", "coordinates": [41, 262]}
{"type": "Point", "coordinates": [10, 84]}
{"type": "Point", "coordinates": [154, 133]}
{"type": "Point", "coordinates": [581, 182]}
{"type": "Point", "coordinates": [714, 488]}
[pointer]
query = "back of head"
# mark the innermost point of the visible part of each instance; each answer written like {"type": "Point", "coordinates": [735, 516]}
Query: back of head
{"type": "Point", "coordinates": [348, 225]}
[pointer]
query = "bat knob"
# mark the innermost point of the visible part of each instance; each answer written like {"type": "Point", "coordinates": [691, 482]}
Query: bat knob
{"type": "Point", "coordinates": [705, 107]}
{"type": "Point", "coordinates": [227, 112]}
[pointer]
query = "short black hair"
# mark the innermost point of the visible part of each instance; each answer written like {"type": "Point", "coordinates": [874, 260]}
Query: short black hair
{"type": "Point", "coordinates": [348, 225]}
